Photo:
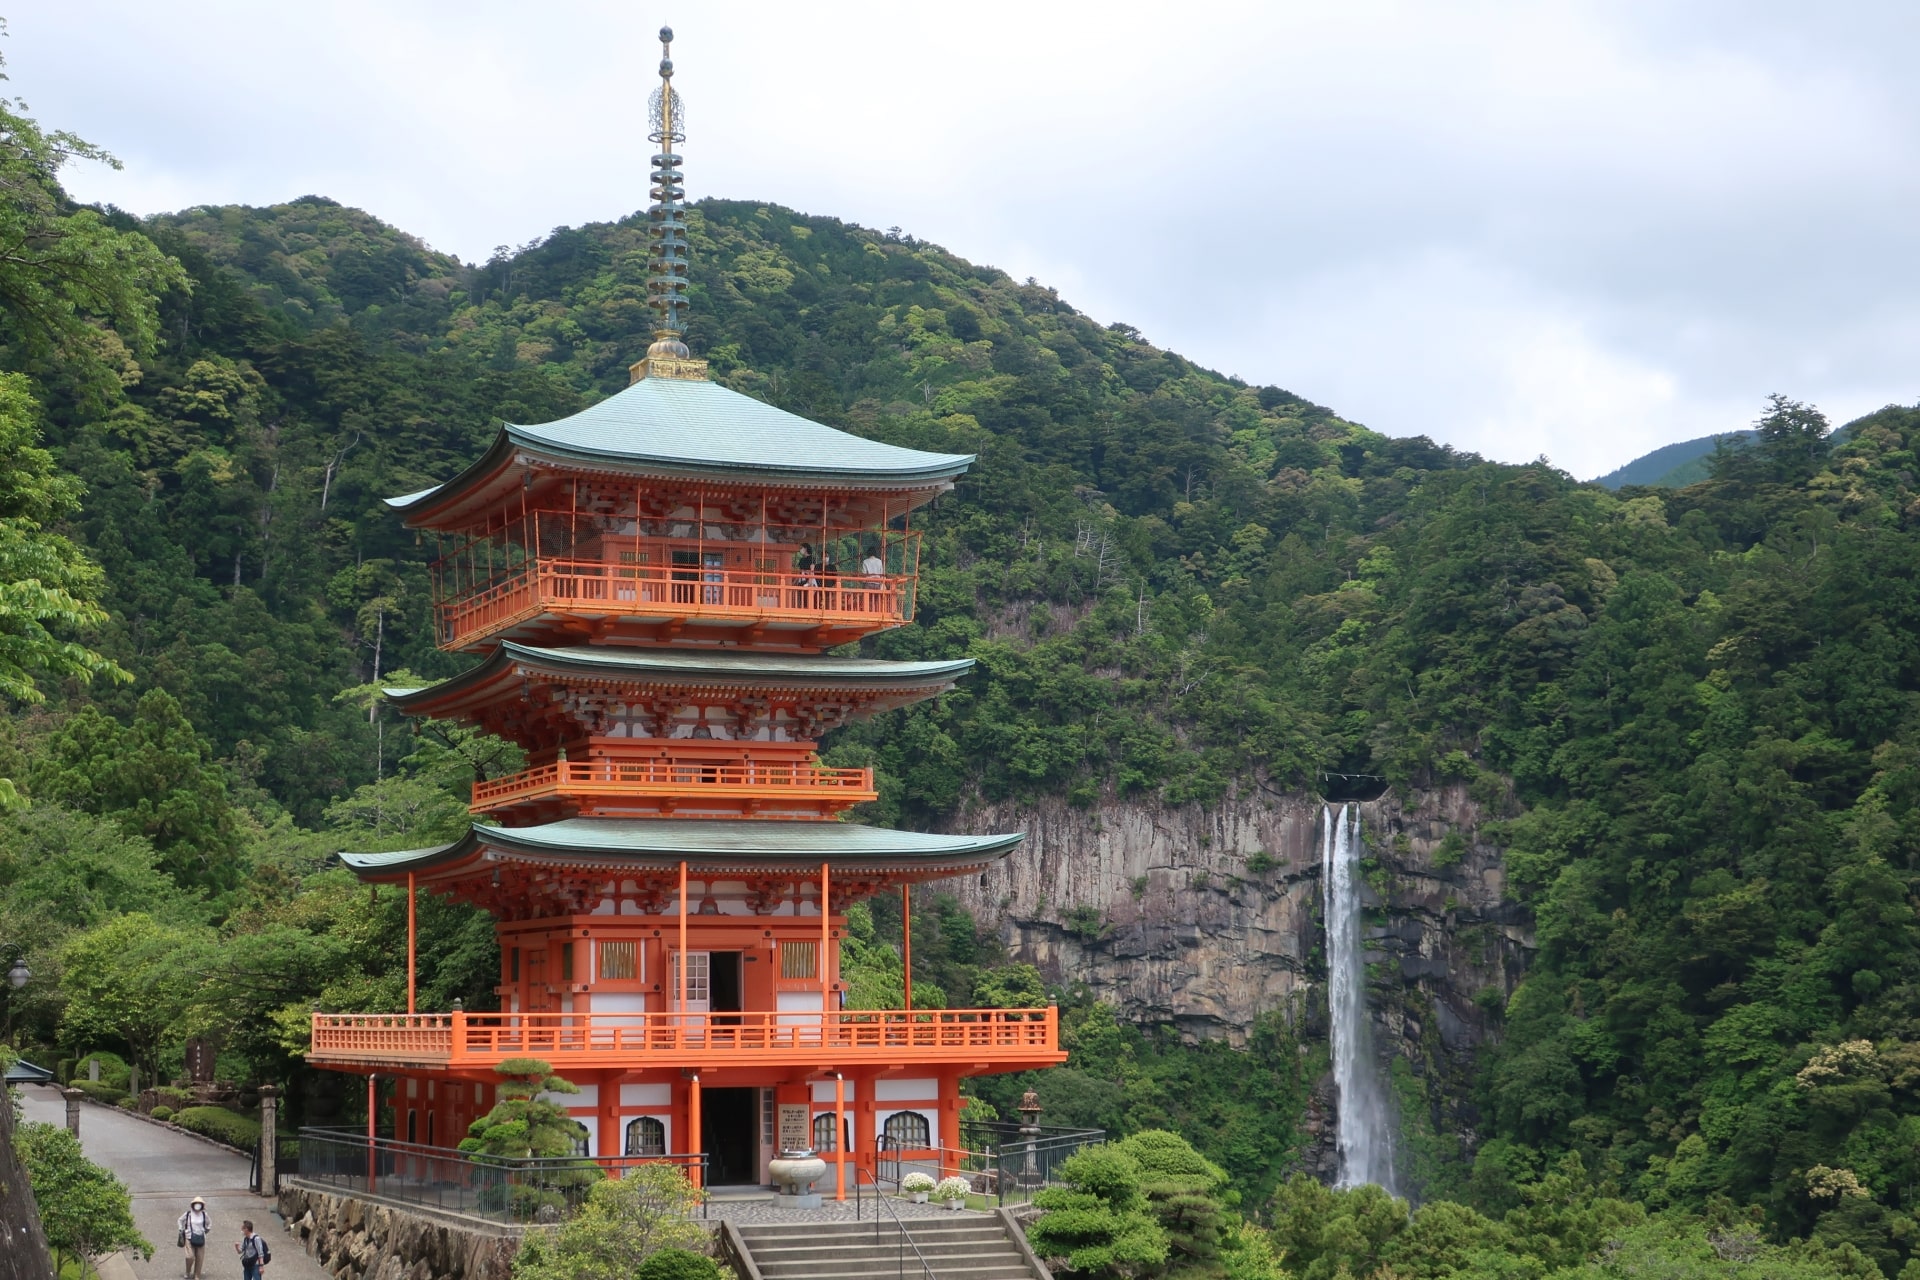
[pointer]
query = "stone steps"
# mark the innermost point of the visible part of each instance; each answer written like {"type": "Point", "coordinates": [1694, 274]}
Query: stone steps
{"type": "Point", "coordinates": [972, 1246]}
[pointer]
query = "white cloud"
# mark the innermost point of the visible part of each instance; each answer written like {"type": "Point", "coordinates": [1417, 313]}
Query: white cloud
{"type": "Point", "coordinates": [1581, 229]}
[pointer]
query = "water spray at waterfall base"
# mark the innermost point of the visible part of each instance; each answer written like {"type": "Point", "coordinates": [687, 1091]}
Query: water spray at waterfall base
{"type": "Point", "coordinates": [1364, 1117]}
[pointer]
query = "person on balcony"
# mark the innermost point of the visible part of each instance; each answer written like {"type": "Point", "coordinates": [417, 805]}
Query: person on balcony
{"type": "Point", "coordinates": [876, 569]}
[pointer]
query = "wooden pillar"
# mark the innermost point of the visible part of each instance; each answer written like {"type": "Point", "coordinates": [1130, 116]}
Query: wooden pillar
{"type": "Point", "coordinates": [609, 1143]}
{"type": "Point", "coordinates": [839, 1136]}
{"type": "Point", "coordinates": [680, 1023]}
{"type": "Point", "coordinates": [906, 935]}
{"type": "Point", "coordinates": [693, 1128]}
{"type": "Point", "coordinates": [412, 937]}
{"type": "Point", "coordinates": [373, 1110]}
{"type": "Point", "coordinates": [950, 1120]}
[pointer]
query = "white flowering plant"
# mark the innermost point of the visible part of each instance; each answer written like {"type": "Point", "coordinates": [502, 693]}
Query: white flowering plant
{"type": "Point", "coordinates": [951, 1188]}
{"type": "Point", "coordinates": [916, 1184]}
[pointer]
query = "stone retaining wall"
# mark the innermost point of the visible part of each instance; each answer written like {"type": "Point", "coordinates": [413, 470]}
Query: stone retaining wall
{"type": "Point", "coordinates": [357, 1239]}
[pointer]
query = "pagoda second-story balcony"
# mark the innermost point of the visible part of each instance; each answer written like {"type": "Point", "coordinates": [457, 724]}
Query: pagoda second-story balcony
{"type": "Point", "coordinates": [1009, 1039]}
{"type": "Point", "coordinates": [675, 785]}
{"type": "Point", "coordinates": [649, 594]}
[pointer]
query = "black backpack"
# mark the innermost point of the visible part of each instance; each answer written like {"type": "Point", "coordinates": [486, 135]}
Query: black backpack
{"type": "Point", "coordinates": [262, 1254]}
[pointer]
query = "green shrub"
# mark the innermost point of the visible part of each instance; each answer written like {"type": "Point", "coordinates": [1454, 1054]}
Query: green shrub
{"type": "Point", "coordinates": [63, 1070]}
{"type": "Point", "coordinates": [162, 1112]}
{"type": "Point", "coordinates": [113, 1069]}
{"type": "Point", "coordinates": [102, 1092]}
{"type": "Point", "coordinates": [175, 1098]}
{"type": "Point", "coordinates": [679, 1264]}
{"type": "Point", "coordinates": [221, 1125]}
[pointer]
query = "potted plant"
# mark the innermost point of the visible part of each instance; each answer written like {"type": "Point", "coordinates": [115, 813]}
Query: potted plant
{"type": "Point", "coordinates": [916, 1186]}
{"type": "Point", "coordinates": [952, 1191]}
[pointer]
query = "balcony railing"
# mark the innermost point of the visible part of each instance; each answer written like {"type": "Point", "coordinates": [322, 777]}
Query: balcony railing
{"type": "Point", "coordinates": [1023, 1037]}
{"type": "Point", "coordinates": [740, 786]}
{"type": "Point", "coordinates": [798, 598]}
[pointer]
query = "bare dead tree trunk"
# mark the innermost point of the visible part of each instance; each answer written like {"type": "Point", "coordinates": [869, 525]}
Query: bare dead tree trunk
{"type": "Point", "coordinates": [23, 1245]}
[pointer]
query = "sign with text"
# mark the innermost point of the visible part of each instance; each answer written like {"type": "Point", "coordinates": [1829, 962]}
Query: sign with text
{"type": "Point", "coordinates": [796, 1130]}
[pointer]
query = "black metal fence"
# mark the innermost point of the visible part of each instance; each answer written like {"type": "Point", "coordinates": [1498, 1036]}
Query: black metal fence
{"type": "Point", "coordinates": [1005, 1161]}
{"type": "Point", "coordinates": [479, 1186]}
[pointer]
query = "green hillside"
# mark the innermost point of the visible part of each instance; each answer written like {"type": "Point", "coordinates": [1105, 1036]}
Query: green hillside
{"type": "Point", "coordinates": [1671, 466]}
{"type": "Point", "coordinates": [1696, 712]}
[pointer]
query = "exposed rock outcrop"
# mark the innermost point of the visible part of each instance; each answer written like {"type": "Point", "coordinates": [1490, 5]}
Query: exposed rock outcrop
{"type": "Point", "coordinates": [1206, 917]}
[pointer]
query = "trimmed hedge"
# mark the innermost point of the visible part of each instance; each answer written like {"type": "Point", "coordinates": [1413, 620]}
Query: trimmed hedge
{"type": "Point", "coordinates": [113, 1070]}
{"type": "Point", "coordinates": [162, 1112]}
{"type": "Point", "coordinates": [102, 1093]}
{"type": "Point", "coordinates": [221, 1125]}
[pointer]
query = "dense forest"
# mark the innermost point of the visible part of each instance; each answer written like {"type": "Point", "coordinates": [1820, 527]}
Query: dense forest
{"type": "Point", "coordinates": [1694, 710]}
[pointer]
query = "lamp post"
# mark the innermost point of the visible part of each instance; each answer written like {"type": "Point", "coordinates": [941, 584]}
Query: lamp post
{"type": "Point", "coordinates": [18, 976]}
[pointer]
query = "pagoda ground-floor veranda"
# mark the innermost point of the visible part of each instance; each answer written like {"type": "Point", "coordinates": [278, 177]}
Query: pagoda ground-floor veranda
{"type": "Point", "coordinates": [856, 1086]}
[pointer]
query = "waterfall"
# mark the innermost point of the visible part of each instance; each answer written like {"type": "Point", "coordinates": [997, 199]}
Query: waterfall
{"type": "Point", "coordinates": [1364, 1118]}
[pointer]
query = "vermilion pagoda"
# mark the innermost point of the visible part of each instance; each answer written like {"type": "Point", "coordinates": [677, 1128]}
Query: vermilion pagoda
{"type": "Point", "coordinates": [651, 583]}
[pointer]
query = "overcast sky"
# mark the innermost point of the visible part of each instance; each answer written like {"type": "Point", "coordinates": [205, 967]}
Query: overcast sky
{"type": "Point", "coordinates": [1582, 230]}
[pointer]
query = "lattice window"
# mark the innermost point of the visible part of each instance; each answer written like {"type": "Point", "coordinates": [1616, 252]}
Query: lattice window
{"type": "Point", "coordinates": [907, 1131]}
{"type": "Point", "coordinates": [823, 1132]}
{"type": "Point", "coordinates": [646, 1137]}
{"type": "Point", "coordinates": [799, 959]}
{"type": "Point", "coordinates": [619, 961]}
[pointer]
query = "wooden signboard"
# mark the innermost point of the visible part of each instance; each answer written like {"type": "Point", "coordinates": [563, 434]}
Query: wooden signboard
{"type": "Point", "coordinates": [796, 1129]}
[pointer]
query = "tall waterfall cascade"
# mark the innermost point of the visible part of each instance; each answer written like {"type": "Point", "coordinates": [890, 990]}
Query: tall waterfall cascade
{"type": "Point", "coordinates": [1364, 1116]}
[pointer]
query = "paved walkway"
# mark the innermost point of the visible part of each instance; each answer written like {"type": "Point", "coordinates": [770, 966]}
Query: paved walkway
{"type": "Point", "coordinates": [164, 1170]}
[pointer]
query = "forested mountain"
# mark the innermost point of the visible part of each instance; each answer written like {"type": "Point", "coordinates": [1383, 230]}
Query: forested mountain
{"type": "Point", "coordinates": [1671, 465]}
{"type": "Point", "coordinates": [1694, 710]}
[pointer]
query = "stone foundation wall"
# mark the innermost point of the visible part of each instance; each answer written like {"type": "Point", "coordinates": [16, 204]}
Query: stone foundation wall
{"type": "Point", "coordinates": [364, 1240]}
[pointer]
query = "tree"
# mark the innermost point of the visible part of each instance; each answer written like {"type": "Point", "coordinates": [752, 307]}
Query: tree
{"type": "Point", "coordinates": [131, 981]}
{"type": "Point", "coordinates": [155, 778]}
{"type": "Point", "coordinates": [525, 1126]}
{"type": "Point", "coordinates": [630, 1226]}
{"type": "Point", "coordinates": [1184, 1192]}
{"type": "Point", "coordinates": [1097, 1225]}
{"type": "Point", "coordinates": [85, 1209]}
{"type": "Point", "coordinates": [77, 294]}
{"type": "Point", "coordinates": [48, 586]}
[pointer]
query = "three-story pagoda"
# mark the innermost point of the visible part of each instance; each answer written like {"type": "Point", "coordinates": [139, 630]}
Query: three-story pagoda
{"type": "Point", "coordinates": [650, 585]}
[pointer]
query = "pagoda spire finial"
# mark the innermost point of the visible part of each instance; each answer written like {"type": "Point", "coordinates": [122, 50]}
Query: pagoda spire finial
{"type": "Point", "coordinates": [668, 263]}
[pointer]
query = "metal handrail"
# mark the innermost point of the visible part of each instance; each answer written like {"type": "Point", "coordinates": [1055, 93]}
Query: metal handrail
{"type": "Point", "coordinates": [907, 1240]}
{"type": "Point", "coordinates": [465, 1182]}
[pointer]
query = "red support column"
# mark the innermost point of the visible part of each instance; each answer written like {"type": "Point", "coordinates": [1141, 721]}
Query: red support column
{"type": "Point", "coordinates": [906, 934]}
{"type": "Point", "coordinates": [373, 1110]}
{"type": "Point", "coordinates": [680, 1029]}
{"type": "Point", "coordinates": [826, 938]}
{"type": "Point", "coordinates": [839, 1136]}
{"type": "Point", "coordinates": [693, 1128]}
{"type": "Point", "coordinates": [949, 1120]}
{"type": "Point", "coordinates": [411, 936]}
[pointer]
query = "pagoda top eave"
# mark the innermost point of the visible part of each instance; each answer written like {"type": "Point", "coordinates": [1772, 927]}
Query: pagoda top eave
{"type": "Point", "coordinates": [687, 430]}
{"type": "Point", "coordinates": [714, 847]}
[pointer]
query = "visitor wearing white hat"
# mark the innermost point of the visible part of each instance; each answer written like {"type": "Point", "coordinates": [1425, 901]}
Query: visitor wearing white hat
{"type": "Point", "coordinates": [195, 1226]}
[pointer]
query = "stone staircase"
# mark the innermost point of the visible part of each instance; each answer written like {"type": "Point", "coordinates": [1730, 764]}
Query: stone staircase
{"type": "Point", "coordinates": [960, 1246]}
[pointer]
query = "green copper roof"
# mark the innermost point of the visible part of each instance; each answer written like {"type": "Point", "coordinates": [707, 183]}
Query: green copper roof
{"type": "Point", "coordinates": [667, 426]}
{"type": "Point", "coordinates": [692, 666]}
{"type": "Point", "coordinates": [659, 841]}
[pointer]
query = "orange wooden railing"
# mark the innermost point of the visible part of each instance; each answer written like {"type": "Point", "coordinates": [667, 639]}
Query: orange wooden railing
{"type": "Point", "coordinates": [600, 587]}
{"type": "Point", "coordinates": [462, 1039]}
{"type": "Point", "coordinates": [775, 780]}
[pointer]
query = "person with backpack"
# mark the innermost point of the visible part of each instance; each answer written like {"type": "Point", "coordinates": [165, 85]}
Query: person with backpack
{"type": "Point", "coordinates": [253, 1251]}
{"type": "Point", "coordinates": [195, 1226]}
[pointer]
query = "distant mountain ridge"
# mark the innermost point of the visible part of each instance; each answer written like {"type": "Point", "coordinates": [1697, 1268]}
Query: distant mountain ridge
{"type": "Point", "coordinates": [1670, 466]}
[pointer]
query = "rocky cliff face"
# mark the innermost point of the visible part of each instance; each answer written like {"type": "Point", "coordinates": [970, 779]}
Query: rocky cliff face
{"type": "Point", "coordinates": [1206, 917]}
